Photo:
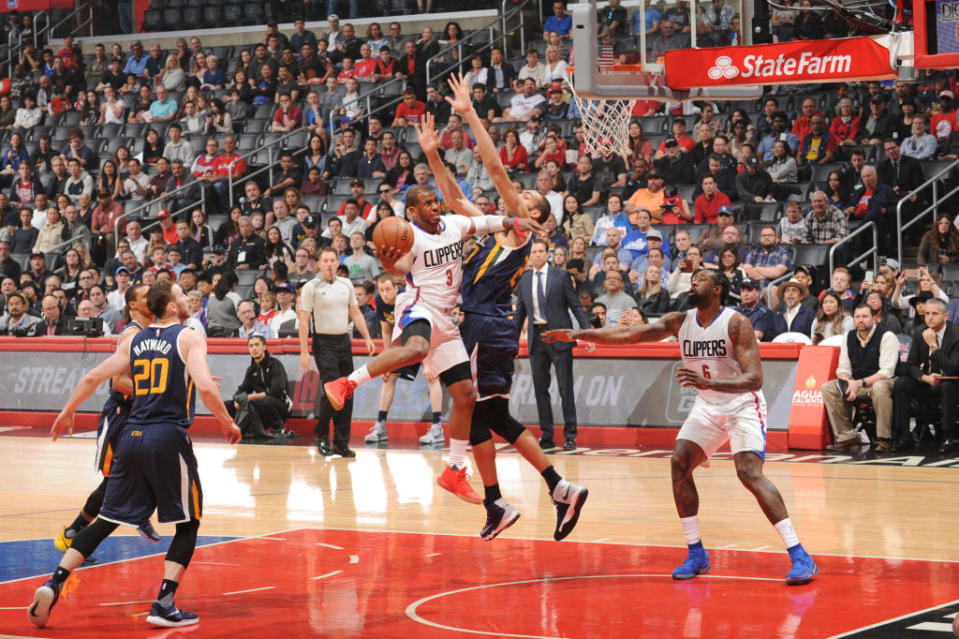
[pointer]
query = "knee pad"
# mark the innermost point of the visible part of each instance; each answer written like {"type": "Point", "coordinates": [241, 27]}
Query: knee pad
{"type": "Point", "coordinates": [501, 422]}
{"type": "Point", "coordinates": [479, 425]}
{"type": "Point", "coordinates": [95, 500]}
{"type": "Point", "coordinates": [92, 536]}
{"type": "Point", "coordinates": [184, 543]}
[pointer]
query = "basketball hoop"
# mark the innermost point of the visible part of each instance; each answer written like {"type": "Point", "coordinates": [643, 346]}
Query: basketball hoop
{"type": "Point", "coordinates": [605, 122]}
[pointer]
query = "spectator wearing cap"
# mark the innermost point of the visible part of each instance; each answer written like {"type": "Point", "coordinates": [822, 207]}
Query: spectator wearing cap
{"type": "Point", "coordinates": [167, 227]}
{"type": "Point", "coordinates": [943, 123]}
{"type": "Point", "coordinates": [725, 176]}
{"type": "Point", "coordinates": [707, 205]}
{"type": "Point", "coordinates": [920, 145]}
{"type": "Point", "coordinates": [902, 172]}
{"type": "Point", "coordinates": [635, 240]}
{"type": "Point", "coordinates": [933, 358]}
{"type": "Point", "coordinates": [917, 303]}
{"type": "Point", "coordinates": [673, 165]}
{"type": "Point", "coordinates": [686, 143]}
{"type": "Point", "coordinates": [764, 321]}
{"type": "Point", "coordinates": [358, 196]}
{"type": "Point", "coordinates": [769, 261]}
{"type": "Point", "coordinates": [796, 316]}
{"type": "Point", "coordinates": [674, 209]}
{"type": "Point", "coordinates": [755, 184]}
{"type": "Point", "coordinates": [649, 198]}
{"type": "Point", "coordinates": [780, 125]}
{"type": "Point", "coordinates": [880, 124]}
{"type": "Point", "coordinates": [712, 238]}
{"type": "Point", "coordinates": [116, 298]}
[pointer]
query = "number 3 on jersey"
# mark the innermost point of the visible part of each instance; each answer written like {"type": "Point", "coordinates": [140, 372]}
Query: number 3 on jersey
{"type": "Point", "coordinates": [706, 374]}
{"type": "Point", "coordinates": [150, 376]}
{"type": "Point", "coordinates": [449, 277]}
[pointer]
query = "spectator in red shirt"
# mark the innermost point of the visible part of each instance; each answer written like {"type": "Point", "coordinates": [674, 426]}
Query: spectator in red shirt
{"type": "Point", "coordinates": [818, 146]}
{"type": "Point", "coordinates": [512, 153]}
{"type": "Point", "coordinates": [167, 227]}
{"type": "Point", "coordinates": [803, 124]}
{"type": "Point", "coordinates": [410, 109]}
{"type": "Point", "coordinates": [226, 164]}
{"type": "Point", "coordinates": [103, 217]}
{"type": "Point", "coordinates": [943, 123]}
{"type": "Point", "coordinates": [287, 116]}
{"type": "Point", "coordinates": [347, 71]}
{"type": "Point", "coordinates": [845, 126]}
{"type": "Point", "coordinates": [385, 66]}
{"type": "Point", "coordinates": [366, 66]}
{"type": "Point", "coordinates": [706, 207]}
{"type": "Point", "coordinates": [455, 123]}
{"type": "Point", "coordinates": [686, 143]}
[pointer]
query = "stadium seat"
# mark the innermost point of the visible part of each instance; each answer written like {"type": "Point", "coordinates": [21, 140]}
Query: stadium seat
{"type": "Point", "coordinates": [232, 15]}
{"type": "Point", "coordinates": [192, 16]}
{"type": "Point", "coordinates": [316, 203]}
{"type": "Point", "coordinates": [212, 17]}
{"type": "Point", "coordinates": [341, 186]}
{"type": "Point", "coordinates": [252, 13]}
{"type": "Point", "coordinates": [172, 19]}
{"type": "Point", "coordinates": [152, 20]}
{"type": "Point", "coordinates": [246, 142]}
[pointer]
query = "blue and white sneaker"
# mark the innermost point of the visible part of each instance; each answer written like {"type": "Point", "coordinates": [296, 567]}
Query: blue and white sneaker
{"type": "Point", "coordinates": [803, 571]}
{"type": "Point", "coordinates": [568, 499]}
{"type": "Point", "coordinates": [148, 532]}
{"type": "Point", "coordinates": [44, 599]}
{"type": "Point", "coordinates": [697, 563]}
{"type": "Point", "coordinates": [171, 617]}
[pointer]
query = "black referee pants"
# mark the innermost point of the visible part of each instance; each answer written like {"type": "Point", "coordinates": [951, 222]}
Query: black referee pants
{"type": "Point", "coordinates": [334, 359]}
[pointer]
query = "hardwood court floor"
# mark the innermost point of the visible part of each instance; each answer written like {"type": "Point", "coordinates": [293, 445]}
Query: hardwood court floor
{"type": "Point", "coordinates": [371, 547]}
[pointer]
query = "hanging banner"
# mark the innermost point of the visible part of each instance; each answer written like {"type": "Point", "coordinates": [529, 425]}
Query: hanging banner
{"type": "Point", "coordinates": [802, 61]}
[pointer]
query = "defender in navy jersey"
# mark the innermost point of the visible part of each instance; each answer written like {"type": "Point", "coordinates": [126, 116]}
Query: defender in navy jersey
{"type": "Point", "coordinates": [113, 418]}
{"type": "Point", "coordinates": [154, 466]}
{"type": "Point", "coordinates": [490, 273]}
{"type": "Point", "coordinates": [721, 361]}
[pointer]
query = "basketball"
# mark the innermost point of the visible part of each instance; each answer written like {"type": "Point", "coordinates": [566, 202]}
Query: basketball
{"type": "Point", "coordinates": [393, 232]}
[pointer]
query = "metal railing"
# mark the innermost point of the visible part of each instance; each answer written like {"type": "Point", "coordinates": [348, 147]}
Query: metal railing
{"type": "Point", "coordinates": [271, 160]}
{"type": "Point", "coordinates": [42, 29]}
{"type": "Point", "coordinates": [872, 250]}
{"type": "Point", "coordinates": [933, 184]}
{"type": "Point", "coordinates": [149, 203]}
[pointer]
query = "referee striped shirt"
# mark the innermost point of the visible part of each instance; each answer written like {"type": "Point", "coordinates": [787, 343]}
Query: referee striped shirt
{"type": "Point", "coordinates": [329, 303]}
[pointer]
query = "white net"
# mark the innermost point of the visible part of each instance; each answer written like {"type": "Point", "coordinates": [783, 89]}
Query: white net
{"type": "Point", "coordinates": [605, 123]}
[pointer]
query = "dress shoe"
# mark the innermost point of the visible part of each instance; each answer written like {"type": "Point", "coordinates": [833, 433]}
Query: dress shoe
{"type": "Point", "coordinates": [546, 444]}
{"type": "Point", "coordinates": [903, 444]}
{"type": "Point", "coordinates": [570, 444]}
{"type": "Point", "coordinates": [344, 451]}
{"type": "Point", "coordinates": [323, 445]}
{"type": "Point", "coordinates": [949, 445]}
{"type": "Point", "coordinates": [884, 446]}
{"type": "Point", "coordinates": [843, 445]}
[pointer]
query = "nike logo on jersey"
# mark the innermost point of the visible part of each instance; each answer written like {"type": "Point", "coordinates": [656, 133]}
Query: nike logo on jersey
{"type": "Point", "coordinates": [443, 255]}
{"type": "Point", "coordinates": [705, 348]}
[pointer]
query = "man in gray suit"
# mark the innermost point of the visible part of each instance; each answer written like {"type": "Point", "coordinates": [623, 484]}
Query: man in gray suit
{"type": "Point", "coordinates": [546, 295]}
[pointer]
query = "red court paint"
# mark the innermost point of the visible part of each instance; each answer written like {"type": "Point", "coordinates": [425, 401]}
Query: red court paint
{"type": "Point", "coordinates": [313, 582]}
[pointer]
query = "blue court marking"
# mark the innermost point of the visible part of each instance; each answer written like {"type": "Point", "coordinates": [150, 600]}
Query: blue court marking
{"type": "Point", "coordinates": [19, 559]}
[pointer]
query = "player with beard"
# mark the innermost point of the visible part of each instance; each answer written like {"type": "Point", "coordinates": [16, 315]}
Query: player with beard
{"type": "Point", "coordinates": [721, 361]}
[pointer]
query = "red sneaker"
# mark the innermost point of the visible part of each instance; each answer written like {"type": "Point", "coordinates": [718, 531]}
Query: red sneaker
{"type": "Point", "coordinates": [338, 391]}
{"type": "Point", "coordinates": [458, 483]}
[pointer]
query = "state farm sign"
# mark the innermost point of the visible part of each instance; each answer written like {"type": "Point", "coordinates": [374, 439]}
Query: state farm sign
{"type": "Point", "coordinates": [790, 62]}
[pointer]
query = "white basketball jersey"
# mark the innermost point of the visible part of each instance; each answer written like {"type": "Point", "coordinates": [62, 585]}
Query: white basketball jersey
{"type": "Point", "coordinates": [437, 270]}
{"type": "Point", "coordinates": [709, 351]}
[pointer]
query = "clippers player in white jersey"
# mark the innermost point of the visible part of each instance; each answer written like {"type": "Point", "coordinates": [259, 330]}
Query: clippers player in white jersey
{"type": "Point", "coordinates": [721, 361]}
{"type": "Point", "coordinates": [425, 331]}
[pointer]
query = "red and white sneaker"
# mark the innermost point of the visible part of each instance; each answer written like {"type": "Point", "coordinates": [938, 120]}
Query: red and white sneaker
{"type": "Point", "coordinates": [338, 391]}
{"type": "Point", "coordinates": [457, 482]}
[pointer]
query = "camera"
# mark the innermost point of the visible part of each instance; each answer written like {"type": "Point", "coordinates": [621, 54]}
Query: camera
{"type": "Point", "coordinates": [85, 326]}
{"type": "Point", "coordinates": [15, 331]}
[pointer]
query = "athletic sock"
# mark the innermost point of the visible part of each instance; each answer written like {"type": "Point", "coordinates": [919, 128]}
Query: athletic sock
{"type": "Point", "coordinates": [458, 452]}
{"type": "Point", "coordinates": [437, 417]}
{"type": "Point", "coordinates": [551, 476]}
{"type": "Point", "coordinates": [60, 575]}
{"type": "Point", "coordinates": [167, 590]}
{"type": "Point", "coordinates": [492, 493]}
{"type": "Point", "coordinates": [787, 532]}
{"type": "Point", "coordinates": [78, 524]}
{"type": "Point", "coordinates": [360, 376]}
{"type": "Point", "coordinates": [381, 416]}
{"type": "Point", "coordinates": [691, 529]}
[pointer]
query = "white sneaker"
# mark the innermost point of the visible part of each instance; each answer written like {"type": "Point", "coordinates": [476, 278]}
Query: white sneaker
{"type": "Point", "coordinates": [377, 434]}
{"type": "Point", "coordinates": [498, 519]}
{"type": "Point", "coordinates": [568, 499]}
{"type": "Point", "coordinates": [434, 436]}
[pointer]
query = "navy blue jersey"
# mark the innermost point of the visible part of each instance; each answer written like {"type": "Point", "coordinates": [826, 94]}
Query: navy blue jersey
{"type": "Point", "coordinates": [117, 396]}
{"type": "Point", "coordinates": [490, 273]}
{"type": "Point", "coordinates": [163, 392]}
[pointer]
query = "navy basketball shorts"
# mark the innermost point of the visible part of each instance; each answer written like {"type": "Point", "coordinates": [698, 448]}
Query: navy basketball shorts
{"type": "Point", "coordinates": [154, 469]}
{"type": "Point", "coordinates": [493, 344]}
{"type": "Point", "coordinates": [113, 418]}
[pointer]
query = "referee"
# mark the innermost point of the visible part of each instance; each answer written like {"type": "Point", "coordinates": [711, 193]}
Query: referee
{"type": "Point", "coordinates": [327, 304]}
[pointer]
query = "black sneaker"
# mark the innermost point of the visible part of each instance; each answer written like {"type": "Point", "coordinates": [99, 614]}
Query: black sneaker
{"type": "Point", "coordinates": [148, 532]}
{"type": "Point", "coordinates": [323, 445]}
{"type": "Point", "coordinates": [343, 451]}
{"type": "Point", "coordinates": [568, 499]}
{"type": "Point", "coordinates": [44, 599]}
{"type": "Point", "coordinates": [498, 519]}
{"type": "Point", "coordinates": [171, 617]}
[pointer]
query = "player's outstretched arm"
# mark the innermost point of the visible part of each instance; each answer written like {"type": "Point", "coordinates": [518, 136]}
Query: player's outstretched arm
{"type": "Point", "coordinates": [746, 352]}
{"type": "Point", "coordinates": [394, 262]}
{"type": "Point", "coordinates": [430, 143]}
{"type": "Point", "coordinates": [667, 326]}
{"type": "Point", "coordinates": [194, 350]}
{"type": "Point", "coordinates": [117, 363]}
{"type": "Point", "coordinates": [494, 165]}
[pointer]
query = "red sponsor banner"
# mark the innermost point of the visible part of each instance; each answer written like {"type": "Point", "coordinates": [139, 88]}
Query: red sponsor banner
{"type": "Point", "coordinates": [803, 61]}
{"type": "Point", "coordinates": [34, 5]}
{"type": "Point", "coordinates": [808, 426]}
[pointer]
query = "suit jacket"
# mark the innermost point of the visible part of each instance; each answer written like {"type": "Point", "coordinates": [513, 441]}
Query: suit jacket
{"type": "Point", "coordinates": [802, 323]}
{"type": "Point", "coordinates": [560, 299]}
{"type": "Point", "coordinates": [910, 174]}
{"type": "Point", "coordinates": [945, 360]}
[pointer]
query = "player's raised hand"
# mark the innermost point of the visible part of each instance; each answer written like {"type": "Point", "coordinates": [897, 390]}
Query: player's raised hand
{"type": "Point", "coordinates": [63, 422]}
{"type": "Point", "coordinates": [691, 378]}
{"type": "Point", "coordinates": [559, 335]}
{"type": "Point", "coordinates": [527, 225]}
{"type": "Point", "coordinates": [461, 100]}
{"type": "Point", "coordinates": [426, 132]}
{"type": "Point", "coordinates": [232, 433]}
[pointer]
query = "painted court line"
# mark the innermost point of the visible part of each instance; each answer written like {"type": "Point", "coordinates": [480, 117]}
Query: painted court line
{"type": "Point", "coordinates": [432, 554]}
{"type": "Point", "coordinates": [273, 538]}
{"type": "Point", "coordinates": [213, 563]}
{"type": "Point", "coordinates": [900, 617]}
{"type": "Point", "coordinates": [240, 592]}
{"type": "Point", "coordinates": [320, 543]}
{"type": "Point", "coordinates": [12, 608]}
{"type": "Point", "coordinates": [354, 559]}
{"type": "Point", "coordinates": [125, 603]}
{"type": "Point", "coordinates": [329, 574]}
